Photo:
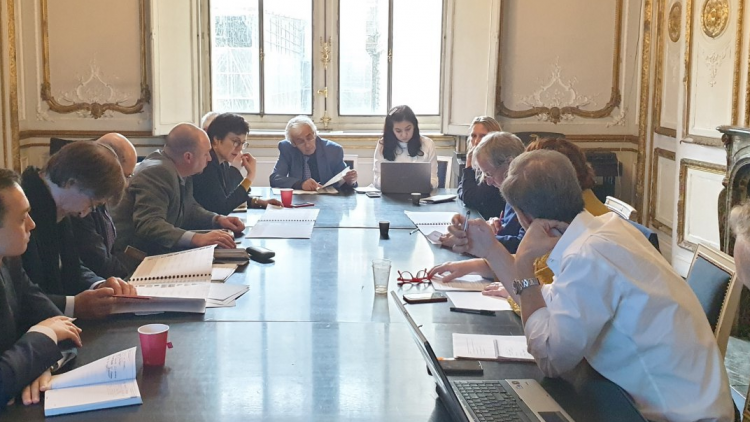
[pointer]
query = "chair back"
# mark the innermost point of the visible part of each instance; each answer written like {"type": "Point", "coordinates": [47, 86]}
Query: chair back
{"type": "Point", "coordinates": [444, 164]}
{"type": "Point", "coordinates": [351, 160]}
{"type": "Point", "coordinates": [713, 280]}
{"type": "Point", "coordinates": [619, 207]}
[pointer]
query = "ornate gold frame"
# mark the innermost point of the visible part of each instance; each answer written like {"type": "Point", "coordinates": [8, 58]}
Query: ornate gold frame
{"type": "Point", "coordinates": [658, 77]}
{"type": "Point", "coordinates": [97, 110]}
{"type": "Point", "coordinates": [674, 21]}
{"type": "Point", "coordinates": [669, 155]}
{"type": "Point", "coordinates": [555, 113]}
{"type": "Point", "coordinates": [13, 79]}
{"type": "Point", "coordinates": [704, 140]}
{"type": "Point", "coordinates": [643, 134]}
{"type": "Point", "coordinates": [685, 165]}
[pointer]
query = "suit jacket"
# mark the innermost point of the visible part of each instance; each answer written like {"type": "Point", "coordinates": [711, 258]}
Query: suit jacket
{"type": "Point", "coordinates": [158, 208]}
{"type": "Point", "coordinates": [24, 355]}
{"type": "Point", "coordinates": [217, 188]}
{"type": "Point", "coordinates": [51, 259]}
{"type": "Point", "coordinates": [95, 239]}
{"type": "Point", "coordinates": [512, 232]}
{"type": "Point", "coordinates": [290, 167]}
{"type": "Point", "coordinates": [480, 196]}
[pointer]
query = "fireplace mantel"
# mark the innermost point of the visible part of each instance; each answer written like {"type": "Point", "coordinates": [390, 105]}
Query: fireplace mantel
{"type": "Point", "coordinates": [736, 140]}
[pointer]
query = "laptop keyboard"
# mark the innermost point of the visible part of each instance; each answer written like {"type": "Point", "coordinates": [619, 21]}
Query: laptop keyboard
{"type": "Point", "coordinates": [489, 401]}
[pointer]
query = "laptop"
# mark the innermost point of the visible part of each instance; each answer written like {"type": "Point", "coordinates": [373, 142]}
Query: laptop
{"type": "Point", "coordinates": [405, 177]}
{"type": "Point", "coordinates": [486, 400]}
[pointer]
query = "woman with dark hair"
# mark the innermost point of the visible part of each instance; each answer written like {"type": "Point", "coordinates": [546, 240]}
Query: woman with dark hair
{"type": "Point", "coordinates": [220, 187]}
{"type": "Point", "coordinates": [401, 142]}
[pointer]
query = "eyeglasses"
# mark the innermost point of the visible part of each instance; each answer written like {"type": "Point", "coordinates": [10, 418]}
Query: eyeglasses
{"type": "Point", "coordinates": [406, 277]}
{"type": "Point", "coordinates": [238, 143]}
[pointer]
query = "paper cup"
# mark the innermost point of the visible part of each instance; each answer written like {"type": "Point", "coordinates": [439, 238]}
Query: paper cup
{"type": "Point", "coordinates": [154, 343]}
{"type": "Point", "coordinates": [286, 197]}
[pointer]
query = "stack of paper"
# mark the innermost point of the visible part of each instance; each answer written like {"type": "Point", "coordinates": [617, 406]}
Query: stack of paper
{"type": "Point", "coordinates": [108, 382]}
{"type": "Point", "coordinates": [469, 282]}
{"type": "Point", "coordinates": [224, 295]}
{"type": "Point", "coordinates": [284, 223]}
{"type": "Point", "coordinates": [221, 272]}
{"type": "Point", "coordinates": [478, 301]}
{"type": "Point", "coordinates": [431, 224]}
{"type": "Point", "coordinates": [479, 346]}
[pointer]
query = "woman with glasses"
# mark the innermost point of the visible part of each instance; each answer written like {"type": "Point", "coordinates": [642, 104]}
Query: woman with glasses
{"type": "Point", "coordinates": [220, 187]}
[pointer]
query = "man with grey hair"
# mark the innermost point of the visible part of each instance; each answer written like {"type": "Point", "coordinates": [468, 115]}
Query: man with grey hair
{"type": "Point", "coordinates": [158, 212]}
{"type": "Point", "coordinates": [95, 233]}
{"type": "Point", "coordinates": [614, 302]}
{"type": "Point", "coordinates": [306, 160]}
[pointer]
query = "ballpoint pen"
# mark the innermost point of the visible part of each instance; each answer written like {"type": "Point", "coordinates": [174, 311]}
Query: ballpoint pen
{"type": "Point", "coordinates": [473, 311]}
{"type": "Point", "coordinates": [466, 219]}
{"type": "Point", "coordinates": [413, 231]}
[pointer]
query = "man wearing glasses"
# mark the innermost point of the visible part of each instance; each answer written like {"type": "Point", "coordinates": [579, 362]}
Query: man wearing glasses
{"type": "Point", "coordinates": [306, 160]}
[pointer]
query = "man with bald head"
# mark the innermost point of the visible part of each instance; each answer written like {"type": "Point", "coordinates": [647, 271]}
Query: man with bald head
{"type": "Point", "coordinates": [158, 213]}
{"type": "Point", "coordinates": [95, 233]}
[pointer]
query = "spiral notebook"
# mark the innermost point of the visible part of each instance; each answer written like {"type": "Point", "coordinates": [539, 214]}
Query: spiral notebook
{"type": "Point", "coordinates": [431, 224]}
{"type": "Point", "coordinates": [285, 223]}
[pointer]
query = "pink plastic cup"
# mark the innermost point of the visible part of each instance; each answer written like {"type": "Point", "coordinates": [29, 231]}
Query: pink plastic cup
{"type": "Point", "coordinates": [154, 343]}
{"type": "Point", "coordinates": [286, 197]}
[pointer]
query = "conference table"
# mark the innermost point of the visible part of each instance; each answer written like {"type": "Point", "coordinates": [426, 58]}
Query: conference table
{"type": "Point", "coordinates": [311, 341]}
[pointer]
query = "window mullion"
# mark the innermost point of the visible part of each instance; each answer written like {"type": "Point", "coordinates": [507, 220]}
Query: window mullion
{"type": "Point", "coordinates": [262, 67]}
{"type": "Point", "coordinates": [390, 54]}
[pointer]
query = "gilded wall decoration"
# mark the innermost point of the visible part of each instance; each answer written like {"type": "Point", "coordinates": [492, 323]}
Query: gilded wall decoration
{"type": "Point", "coordinates": [674, 24]}
{"type": "Point", "coordinates": [715, 17]}
{"type": "Point", "coordinates": [558, 93]}
{"type": "Point", "coordinates": [713, 63]}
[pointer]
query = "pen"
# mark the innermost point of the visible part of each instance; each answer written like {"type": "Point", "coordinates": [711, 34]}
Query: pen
{"type": "Point", "coordinates": [131, 297]}
{"type": "Point", "coordinates": [466, 220]}
{"type": "Point", "coordinates": [413, 231]}
{"type": "Point", "coordinates": [473, 311]}
{"type": "Point", "coordinates": [305, 204]}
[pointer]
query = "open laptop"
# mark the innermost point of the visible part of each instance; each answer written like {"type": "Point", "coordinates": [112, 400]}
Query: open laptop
{"type": "Point", "coordinates": [484, 400]}
{"type": "Point", "coordinates": [405, 177]}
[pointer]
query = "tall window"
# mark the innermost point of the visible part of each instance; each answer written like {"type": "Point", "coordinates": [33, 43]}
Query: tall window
{"type": "Point", "coordinates": [267, 58]}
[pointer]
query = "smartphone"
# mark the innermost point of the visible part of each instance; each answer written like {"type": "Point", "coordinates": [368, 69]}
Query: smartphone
{"type": "Point", "coordinates": [260, 254]}
{"type": "Point", "coordinates": [373, 194]}
{"type": "Point", "coordinates": [428, 297]}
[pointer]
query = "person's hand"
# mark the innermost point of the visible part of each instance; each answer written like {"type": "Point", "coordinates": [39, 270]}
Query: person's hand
{"type": "Point", "coordinates": [219, 238]}
{"type": "Point", "coordinates": [350, 177]}
{"type": "Point", "coordinates": [31, 393]}
{"type": "Point", "coordinates": [263, 203]}
{"type": "Point", "coordinates": [454, 269]}
{"type": "Point", "coordinates": [64, 328]}
{"type": "Point", "coordinates": [231, 223]}
{"type": "Point", "coordinates": [94, 304]}
{"type": "Point", "coordinates": [496, 224]}
{"type": "Point", "coordinates": [447, 240]}
{"type": "Point", "coordinates": [495, 289]}
{"type": "Point", "coordinates": [249, 163]}
{"type": "Point", "coordinates": [540, 238]}
{"type": "Point", "coordinates": [477, 240]}
{"type": "Point", "coordinates": [120, 286]}
{"type": "Point", "coordinates": [469, 156]}
{"type": "Point", "coordinates": [311, 185]}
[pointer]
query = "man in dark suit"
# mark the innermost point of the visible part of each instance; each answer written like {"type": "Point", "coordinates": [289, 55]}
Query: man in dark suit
{"type": "Point", "coordinates": [306, 160]}
{"type": "Point", "coordinates": [95, 233]}
{"type": "Point", "coordinates": [31, 323]}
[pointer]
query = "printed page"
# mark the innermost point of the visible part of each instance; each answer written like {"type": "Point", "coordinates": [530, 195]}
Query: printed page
{"type": "Point", "coordinates": [469, 282]}
{"type": "Point", "coordinates": [337, 178]}
{"type": "Point", "coordinates": [285, 223]}
{"type": "Point", "coordinates": [116, 367]}
{"type": "Point", "coordinates": [91, 397]}
{"type": "Point", "coordinates": [429, 222]}
{"type": "Point", "coordinates": [197, 290]}
{"type": "Point", "coordinates": [478, 301]}
{"type": "Point", "coordinates": [158, 305]}
{"type": "Point", "coordinates": [221, 272]}
{"type": "Point", "coordinates": [193, 264]}
{"type": "Point", "coordinates": [479, 346]}
{"type": "Point", "coordinates": [221, 292]}
{"type": "Point", "coordinates": [365, 189]}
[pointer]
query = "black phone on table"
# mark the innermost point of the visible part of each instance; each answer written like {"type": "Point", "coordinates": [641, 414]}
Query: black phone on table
{"type": "Point", "coordinates": [427, 297]}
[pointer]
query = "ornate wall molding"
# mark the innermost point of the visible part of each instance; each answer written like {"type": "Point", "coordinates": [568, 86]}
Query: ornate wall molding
{"type": "Point", "coordinates": [659, 68]}
{"type": "Point", "coordinates": [556, 113]}
{"type": "Point", "coordinates": [13, 78]}
{"type": "Point", "coordinates": [715, 17]}
{"type": "Point", "coordinates": [674, 21]}
{"type": "Point", "coordinates": [643, 135]}
{"type": "Point", "coordinates": [76, 103]}
{"type": "Point", "coordinates": [669, 155]}
{"type": "Point", "coordinates": [685, 165]}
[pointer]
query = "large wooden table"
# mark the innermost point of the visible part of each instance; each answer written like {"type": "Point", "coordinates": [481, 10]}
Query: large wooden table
{"type": "Point", "coordinates": [311, 341]}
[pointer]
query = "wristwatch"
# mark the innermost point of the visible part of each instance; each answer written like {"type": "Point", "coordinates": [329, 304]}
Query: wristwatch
{"type": "Point", "coordinates": [520, 285]}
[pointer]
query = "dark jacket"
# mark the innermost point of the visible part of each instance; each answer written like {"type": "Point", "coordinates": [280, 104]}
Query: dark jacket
{"type": "Point", "coordinates": [289, 169]}
{"type": "Point", "coordinates": [218, 188]}
{"type": "Point", "coordinates": [23, 356]}
{"type": "Point", "coordinates": [95, 239]}
{"type": "Point", "coordinates": [52, 259]}
{"type": "Point", "coordinates": [512, 232]}
{"type": "Point", "coordinates": [480, 196]}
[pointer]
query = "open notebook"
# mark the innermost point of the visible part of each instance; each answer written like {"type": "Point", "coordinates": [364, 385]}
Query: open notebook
{"type": "Point", "coordinates": [488, 347]}
{"type": "Point", "coordinates": [431, 224]}
{"type": "Point", "coordinates": [107, 382]}
{"type": "Point", "coordinates": [285, 223]}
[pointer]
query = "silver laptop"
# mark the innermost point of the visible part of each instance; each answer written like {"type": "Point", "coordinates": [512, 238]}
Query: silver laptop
{"type": "Point", "coordinates": [405, 177]}
{"type": "Point", "coordinates": [480, 400]}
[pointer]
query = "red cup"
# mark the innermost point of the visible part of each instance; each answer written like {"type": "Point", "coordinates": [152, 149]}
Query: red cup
{"type": "Point", "coordinates": [154, 343]}
{"type": "Point", "coordinates": [286, 197]}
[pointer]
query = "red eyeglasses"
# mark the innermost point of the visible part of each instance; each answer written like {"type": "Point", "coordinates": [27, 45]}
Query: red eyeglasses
{"type": "Point", "coordinates": [406, 277]}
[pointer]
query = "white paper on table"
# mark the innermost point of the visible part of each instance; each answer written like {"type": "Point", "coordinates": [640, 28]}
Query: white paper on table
{"type": "Point", "coordinates": [430, 222]}
{"type": "Point", "coordinates": [469, 282]}
{"type": "Point", "coordinates": [480, 346]}
{"type": "Point", "coordinates": [365, 189]}
{"type": "Point", "coordinates": [478, 301]}
{"type": "Point", "coordinates": [91, 397]}
{"type": "Point", "coordinates": [221, 272]}
{"type": "Point", "coordinates": [189, 265]}
{"type": "Point", "coordinates": [221, 292]}
{"type": "Point", "coordinates": [175, 290]}
{"type": "Point", "coordinates": [115, 367]}
{"type": "Point", "coordinates": [285, 223]}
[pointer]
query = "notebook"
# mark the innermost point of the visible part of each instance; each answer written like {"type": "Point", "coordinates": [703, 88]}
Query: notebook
{"type": "Point", "coordinates": [105, 383]}
{"type": "Point", "coordinates": [466, 283]}
{"type": "Point", "coordinates": [285, 223]}
{"type": "Point", "coordinates": [431, 224]}
{"type": "Point", "coordinates": [487, 347]}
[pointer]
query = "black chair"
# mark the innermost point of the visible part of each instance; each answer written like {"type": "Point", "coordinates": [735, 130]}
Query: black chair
{"type": "Point", "coordinates": [529, 137]}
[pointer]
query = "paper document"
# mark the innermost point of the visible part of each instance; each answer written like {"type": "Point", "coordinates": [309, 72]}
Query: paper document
{"type": "Point", "coordinates": [431, 224]}
{"type": "Point", "coordinates": [189, 265]}
{"type": "Point", "coordinates": [221, 272]}
{"type": "Point", "coordinates": [337, 178]}
{"type": "Point", "coordinates": [365, 189]}
{"type": "Point", "coordinates": [478, 301]}
{"type": "Point", "coordinates": [437, 199]}
{"type": "Point", "coordinates": [469, 282]}
{"type": "Point", "coordinates": [285, 223]}
{"type": "Point", "coordinates": [327, 190]}
{"type": "Point", "coordinates": [115, 367]}
{"type": "Point", "coordinates": [480, 346]}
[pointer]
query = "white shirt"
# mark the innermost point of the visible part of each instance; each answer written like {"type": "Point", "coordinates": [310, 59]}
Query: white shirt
{"type": "Point", "coordinates": [402, 156]}
{"type": "Point", "coordinates": [621, 306]}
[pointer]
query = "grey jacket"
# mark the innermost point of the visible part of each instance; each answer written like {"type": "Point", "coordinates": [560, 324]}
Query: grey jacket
{"type": "Point", "coordinates": [158, 208]}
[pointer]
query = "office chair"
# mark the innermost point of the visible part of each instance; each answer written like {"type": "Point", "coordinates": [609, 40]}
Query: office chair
{"type": "Point", "coordinates": [619, 207]}
{"type": "Point", "coordinates": [713, 280]}
{"type": "Point", "coordinates": [444, 167]}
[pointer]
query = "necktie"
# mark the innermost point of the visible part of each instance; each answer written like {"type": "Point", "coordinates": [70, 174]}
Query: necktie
{"type": "Point", "coordinates": [306, 171]}
{"type": "Point", "coordinates": [109, 229]}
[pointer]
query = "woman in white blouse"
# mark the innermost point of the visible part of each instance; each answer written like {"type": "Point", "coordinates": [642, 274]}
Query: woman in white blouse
{"type": "Point", "coordinates": [401, 142]}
